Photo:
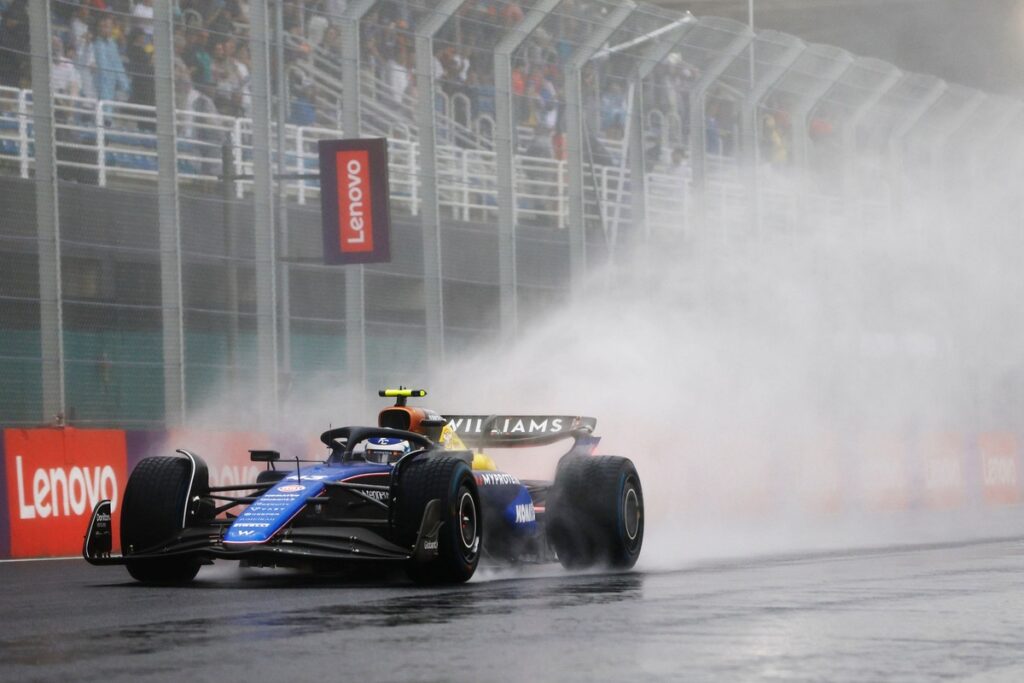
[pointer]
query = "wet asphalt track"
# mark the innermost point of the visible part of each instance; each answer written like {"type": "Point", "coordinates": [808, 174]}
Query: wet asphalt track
{"type": "Point", "coordinates": [953, 611]}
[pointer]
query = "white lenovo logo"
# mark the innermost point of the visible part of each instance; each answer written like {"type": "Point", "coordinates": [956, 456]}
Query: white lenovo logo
{"type": "Point", "coordinates": [57, 492]}
{"type": "Point", "coordinates": [355, 202]}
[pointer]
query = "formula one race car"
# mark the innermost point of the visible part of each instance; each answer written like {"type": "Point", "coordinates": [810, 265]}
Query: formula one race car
{"type": "Point", "coordinates": [409, 490]}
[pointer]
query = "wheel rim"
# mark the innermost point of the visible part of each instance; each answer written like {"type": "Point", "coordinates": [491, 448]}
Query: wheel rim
{"type": "Point", "coordinates": [631, 512]}
{"type": "Point", "coordinates": [468, 524]}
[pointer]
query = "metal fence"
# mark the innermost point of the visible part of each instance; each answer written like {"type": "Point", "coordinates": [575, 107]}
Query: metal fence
{"type": "Point", "coordinates": [528, 140]}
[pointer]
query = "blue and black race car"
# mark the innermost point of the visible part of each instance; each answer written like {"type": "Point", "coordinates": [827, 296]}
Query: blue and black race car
{"type": "Point", "coordinates": [417, 489]}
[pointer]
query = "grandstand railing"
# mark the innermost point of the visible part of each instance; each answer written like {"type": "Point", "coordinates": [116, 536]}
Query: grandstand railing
{"type": "Point", "coordinates": [116, 141]}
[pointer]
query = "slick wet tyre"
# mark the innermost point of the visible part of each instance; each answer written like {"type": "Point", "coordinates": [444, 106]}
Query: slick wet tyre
{"type": "Point", "coordinates": [155, 500]}
{"type": "Point", "coordinates": [595, 512]}
{"type": "Point", "coordinates": [451, 481]}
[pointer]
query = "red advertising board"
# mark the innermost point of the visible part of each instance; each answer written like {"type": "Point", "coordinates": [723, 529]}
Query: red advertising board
{"type": "Point", "coordinates": [999, 468]}
{"type": "Point", "coordinates": [354, 201]}
{"type": "Point", "coordinates": [54, 479]}
{"type": "Point", "coordinates": [884, 479]}
{"type": "Point", "coordinates": [942, 470]}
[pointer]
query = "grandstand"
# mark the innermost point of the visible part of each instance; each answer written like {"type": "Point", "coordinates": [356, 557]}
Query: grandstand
{"type": "Point", "coordinates": [528, 141]}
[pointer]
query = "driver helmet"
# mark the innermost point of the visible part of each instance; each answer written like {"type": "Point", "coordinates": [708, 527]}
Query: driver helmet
{"type": "Point", "coordinates": [385, 450]}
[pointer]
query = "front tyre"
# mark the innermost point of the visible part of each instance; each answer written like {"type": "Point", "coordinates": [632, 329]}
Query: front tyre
{"type": "Point", "coordinates": [449, 480]}
{"type": "Point", "coordinates": [155, 501]}
{"type": "Point", "coordinates": [596, 512]}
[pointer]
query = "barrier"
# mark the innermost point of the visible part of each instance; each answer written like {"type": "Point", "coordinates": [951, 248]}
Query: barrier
{"type": "Point", "coordinates": [52, 477]}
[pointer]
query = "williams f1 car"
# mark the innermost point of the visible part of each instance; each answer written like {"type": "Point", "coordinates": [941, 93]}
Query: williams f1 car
{"type": "Point", "coordinates": [417, 489]}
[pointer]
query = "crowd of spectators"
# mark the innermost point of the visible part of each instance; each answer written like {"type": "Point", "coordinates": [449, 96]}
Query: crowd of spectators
{"type": "Point", "coordinates": [103, 49]}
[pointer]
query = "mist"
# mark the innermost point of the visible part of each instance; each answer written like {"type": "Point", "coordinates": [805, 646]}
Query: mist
{"type": "Point", "coordinates": [822, 382]}
{"type": "Point", "coordinates": [812, 389]}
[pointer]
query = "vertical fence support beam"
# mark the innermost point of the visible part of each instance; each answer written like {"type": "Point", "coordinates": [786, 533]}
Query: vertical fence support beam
{"type": "Point", "coordinates": [504, 159]}
{"type": "Point", "coordinates": [897, 144]}
{"type": "Point", "coordinates": [698, 132]}
{"type": "Point", "coordinates": [574, 140]}
{"type": "Point", "coordinates": [168, 210]}
{"type": "Point", "coordinates": [801, 115]}
{"type": "Point", "coordinates": [263, 212]}
{"type": "Point", "coordinates": [283, 250]}
{"type": "Point", "coordinates": [430, 221]}
{"type": "Point", "coordinates": [651, 57]}
{"type": "Point", "coordinates": [849, 135]}
{"type": "Point", "coordinates": [351, 125]}
{"type": "Point", "coordinates": [759, 88]}
{"type": "Point", "coordinates": [897, 138]}
{"type": "Point", "coordinates": [51, 306]}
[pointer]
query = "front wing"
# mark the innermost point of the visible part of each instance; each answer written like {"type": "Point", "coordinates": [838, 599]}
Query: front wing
{"type": "Point", "coordinates": [292, 545]}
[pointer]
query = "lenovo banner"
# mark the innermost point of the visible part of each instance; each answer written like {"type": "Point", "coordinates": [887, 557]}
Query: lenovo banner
{"type": "Point", "coordinates": [354, 201]}
{"type": "Point", "coordinates": [54, 479]}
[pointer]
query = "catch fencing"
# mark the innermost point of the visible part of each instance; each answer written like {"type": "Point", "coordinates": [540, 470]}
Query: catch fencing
{"type": "Point", "coordinates": [529, 142]}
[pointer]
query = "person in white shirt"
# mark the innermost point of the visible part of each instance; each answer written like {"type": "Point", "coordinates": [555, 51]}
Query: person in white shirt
{"type": "Point", "coordinates": [143, 14]}
{"type": "Point", "coordinates": [64, 77]}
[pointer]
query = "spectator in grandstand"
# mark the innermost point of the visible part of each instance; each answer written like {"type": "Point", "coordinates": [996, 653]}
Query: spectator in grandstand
{"type": "Point", "coordinates": [613, 110]}
{"type": "Point", "coordinates": [198, 123]}
{"type": "Point", "coordinates": [316, 23]}
{"type": "Point", "coordinates": [302, 92]}
{"type": "Point", "coordinates": [331, 44]}
{"type": "Point", "coordinates": [400, 70]}
{"type": "Point", "coordinates": [14, 45]}
{"type": "Point", "coordinates": [142, 14]}
{"type": "Point", "coordinates": [140, 66]}
{"type": "Point", "coordinates": [109, 78]}
{"type": "Point", "coordinates": [540, 178]}
{"type": "Point", "coordinates": [198, 58]}
{"type": "Point", "coordinates": [297, 48]}
{"type": "Point", "coordinates": [543, 99]}
{"type": "Point", "coordinates": [81, 30]}
{"type": "Point", "coordinates": [481, 88]}
{"type": "Point", "coordinates": [64, 77]}
{"type": "Point", "coordinates": [773, 142]}
{"type": "Point", "coordinates": [679, 162]}
{"type": "Point", "coordinates": [228, 78]}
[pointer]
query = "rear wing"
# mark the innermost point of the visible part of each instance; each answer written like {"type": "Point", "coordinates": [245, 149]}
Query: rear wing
{"type": "Point", "coordinates": [505, 431]}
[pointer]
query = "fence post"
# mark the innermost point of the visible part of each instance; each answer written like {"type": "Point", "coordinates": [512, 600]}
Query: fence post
{"type": "Point", "coordinates": [300, 155]}
{"type": "Point", "coordinates": [23, 132]}
{"type": "Point", "coordinates": [263, 214]}
{"type": "Point", "coordinates": [101, 144]}
{"type": "Point", "coordinates": [51, 309]}
{"type": "Point", "coordinates": [503, 133]}
{"type": "Point", "coordinates": [574, 137]}
{"type": "Point", "coordinates": [698, 131]}
{"type": "Point", "coordinates": [651, 57]}
{"type": "Point", "coordinates": [355, 280]}
{"type": "Point", "coordinates": [168, 210]}
{"type": "Point", "coordinates": [433, 272]}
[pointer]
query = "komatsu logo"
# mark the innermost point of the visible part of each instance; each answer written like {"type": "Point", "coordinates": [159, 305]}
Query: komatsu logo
{"type": "Point", "coordinates": [525, 513]}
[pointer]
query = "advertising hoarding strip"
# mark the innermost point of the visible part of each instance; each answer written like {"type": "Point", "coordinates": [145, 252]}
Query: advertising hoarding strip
{"type": "Point", "coordinates": [51, 477]}
{"type": "Point", "coordinates": [5, 518]}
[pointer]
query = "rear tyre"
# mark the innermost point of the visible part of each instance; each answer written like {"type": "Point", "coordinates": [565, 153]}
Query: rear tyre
{"type": "Point", "coordinates": [449, 480]}
{"type": "Point", "coordinates": [595, 512]}
{"type": "Point", "coordinates": [155, 501]}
